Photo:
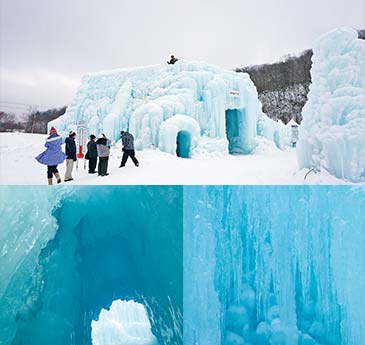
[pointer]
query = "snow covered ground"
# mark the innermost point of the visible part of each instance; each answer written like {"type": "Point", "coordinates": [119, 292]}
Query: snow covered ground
{"type": "Point", "coordinates": [267, 165]}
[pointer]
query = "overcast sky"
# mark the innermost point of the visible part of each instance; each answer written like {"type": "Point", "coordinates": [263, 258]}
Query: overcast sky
{"type": "Point", "coordinates": [47, 45]}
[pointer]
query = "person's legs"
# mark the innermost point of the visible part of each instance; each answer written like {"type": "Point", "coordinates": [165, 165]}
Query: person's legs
{"type": "Point", "coordinates": [92, 164]}
{"type": "Point", "coordinates": [133, 157]}
{"type": "Point", "coordinates": [106, 166]}
{"type": "Point", "coordinates": [49, 174]}
{"type": "Point", "coordinates": [124, 159]}
{"type": "Point", "coordinates": [69, 167]}
{"type": "Point", "coordinates": [56, 173]}
{"type": "Point", "coordinates": [100, 166]}
{"type": "Point", "coordinates": [101, 170]}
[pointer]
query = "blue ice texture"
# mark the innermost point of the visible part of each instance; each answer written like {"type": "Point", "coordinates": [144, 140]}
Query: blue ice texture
{"type": "Point", "coordinates": [274, 265]}
{"type": "Point", "coordinates": [69, 254]}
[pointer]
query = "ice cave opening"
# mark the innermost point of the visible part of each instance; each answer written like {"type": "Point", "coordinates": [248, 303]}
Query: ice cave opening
{"type": "Point", "coordinates": [126, 322]}
{"type": "Point", "coordinates": [183, 143]}
{"type": "Point", "coordinates": [90, 258]}
{"type": "Point", "coordinates": [235, 126]}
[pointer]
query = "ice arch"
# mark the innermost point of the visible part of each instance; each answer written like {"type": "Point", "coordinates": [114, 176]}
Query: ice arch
{"type": "Point", "coordinates": [126, 322]}
{"type": "Point", "coordinates": [73, 252]}
{"type": "Point", "coordinates": [189, 131]}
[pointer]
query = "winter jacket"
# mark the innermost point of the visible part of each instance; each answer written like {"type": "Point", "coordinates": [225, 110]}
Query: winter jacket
{"type": "Point", "coordinates": [53, 155]}
{"type": "Point", "coordinates": [70, 148]}
{"type": "Point", "coordinates": [128, 141]}
{"type": "Point", "coordinates": [92, 151]}
{"type": "Point", "coordinates": [172, 61]}
{"type": "Point", "coordinates": [103, 147]}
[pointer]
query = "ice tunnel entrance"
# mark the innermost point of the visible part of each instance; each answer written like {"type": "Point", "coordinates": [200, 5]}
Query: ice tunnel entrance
{"type": "Point", "coordinates": [235, 127]}
{"type": "Point", "coordinates": [183, 143]}
{"type": "Point", "coordinates": [126, 322]}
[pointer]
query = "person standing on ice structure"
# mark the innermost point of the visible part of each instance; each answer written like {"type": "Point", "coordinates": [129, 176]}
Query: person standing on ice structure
{"type": "Point", "coordinates": [103, 148]}
{"type": "Point", "coordinates": [71, 155]}
{"type": "Point", "coordinates": [52, 156]}
{"type": "Point", "coordinates": [128, 149]}
{"type": "Point", "coordinates": [172, 60]}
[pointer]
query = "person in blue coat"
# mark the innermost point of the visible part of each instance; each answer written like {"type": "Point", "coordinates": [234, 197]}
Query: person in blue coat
{"type": "Point", "coordinates": [52, 156]}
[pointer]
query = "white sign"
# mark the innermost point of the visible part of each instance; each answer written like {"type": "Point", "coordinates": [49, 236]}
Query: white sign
{"type": "Point", "coordinates": [81, 134]}
{"type": "Point", "coordinates": [234, 93]}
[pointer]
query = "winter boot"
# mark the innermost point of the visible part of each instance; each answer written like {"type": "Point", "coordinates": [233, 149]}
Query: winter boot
{"type": "Point", "coordinates": [50, 182]}
{"type": "Point", "coordinates": [58, 177]}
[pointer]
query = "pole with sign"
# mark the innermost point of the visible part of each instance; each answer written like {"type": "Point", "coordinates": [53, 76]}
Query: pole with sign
{"type": "Point", "coordinates": [81, 136]}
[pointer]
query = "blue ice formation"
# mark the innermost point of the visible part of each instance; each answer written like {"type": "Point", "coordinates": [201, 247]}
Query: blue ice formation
{"type": "Point", "coordinates": [67, 253]}
{"type": "Point", "coordinates": [126, 322]}
{"type": "Point", "coordinates": [219, 108]}
{"type": "Point", "coordinates": [332, 133]}
{"type": "Point", "coordinates": [274, 265]}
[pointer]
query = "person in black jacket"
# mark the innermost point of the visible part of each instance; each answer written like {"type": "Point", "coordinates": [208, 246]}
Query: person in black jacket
{"type": "Point", "coordinates": [71, 155]}
{"type": "Point", "coordinates": [128, 149]}
{"type": "Point", "coordinates": [172, 60]}
{"type": "Point", "coordinates": [92, 154]}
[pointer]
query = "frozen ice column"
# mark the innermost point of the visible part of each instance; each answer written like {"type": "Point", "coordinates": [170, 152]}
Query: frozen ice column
{"type": "Point", "coordinates": [332, 134]}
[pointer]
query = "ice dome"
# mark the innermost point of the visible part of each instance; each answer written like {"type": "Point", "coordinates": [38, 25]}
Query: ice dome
{"type": "Point", "coordinates": [332, 133]}
{"type": "Point", "coordinates": [222, 105]}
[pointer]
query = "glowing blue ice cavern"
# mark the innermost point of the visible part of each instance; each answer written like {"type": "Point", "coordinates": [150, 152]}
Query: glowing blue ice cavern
{"type": "Point", "coordinates": [274, 265]}
{"type": "Point", "coordinates": [66, 254]}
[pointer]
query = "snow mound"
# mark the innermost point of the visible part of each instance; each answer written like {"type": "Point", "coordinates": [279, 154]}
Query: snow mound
{"type": "Point", "coordinates": [141, 100]}
{"type": "Point", "coordinates": [332, 134]}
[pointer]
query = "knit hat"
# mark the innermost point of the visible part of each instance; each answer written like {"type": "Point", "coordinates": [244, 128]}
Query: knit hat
{"type": "Point", "coordinates": [71, 133]}
{"type": "Point", "coordinates": [53, 130]}
{"type": "Point", "coordinates": [92, 136]}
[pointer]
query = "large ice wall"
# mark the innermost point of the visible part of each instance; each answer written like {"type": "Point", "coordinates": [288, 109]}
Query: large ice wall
{"type": "Point", "coordinates": [72, 252]}
{"type": "Point", "coordinates": [274, 265]}
{"type": "Point", "coordinates": [332, 133]}
{"type": "Point", "coordinates": [141, 100]}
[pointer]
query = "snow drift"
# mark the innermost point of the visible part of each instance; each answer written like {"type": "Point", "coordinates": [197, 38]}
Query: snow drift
{"type": "Point", "coordinates": [73, 252]}
{"type": "Point", "coordinates": [141, 100]}
{"type": "Point", "coordinates": [332, 133]}
{"type": "Point", "coordinates": [274, 265]}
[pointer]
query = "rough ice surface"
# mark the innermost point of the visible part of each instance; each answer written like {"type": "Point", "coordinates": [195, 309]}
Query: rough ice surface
{"type": "Point", "coordinates": [274, 265]}
{"type": "Point", "coordinates": [126, 322]}
{"type": "Point", "coordinates": [66, 257]}
{"type": "Point", "coordinates": [332, 133]}
{"type": "Point", "coordinates": [143, 100]}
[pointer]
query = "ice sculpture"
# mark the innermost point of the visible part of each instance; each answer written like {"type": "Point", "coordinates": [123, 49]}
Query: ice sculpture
{"type": "Point", "coordinates": [332, 133]}
{"type": "Point", "coordinates": [126, 322]}
{"type": "Point", "coordinates": [74, 251]}
{"type": "Point", "coordinates": [274, 265]}
{"type": "Point", "coordinates": [149, 101]}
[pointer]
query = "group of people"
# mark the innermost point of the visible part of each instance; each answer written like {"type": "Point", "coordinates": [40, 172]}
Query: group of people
{"type": "Point", "coordinates": [96, 148]}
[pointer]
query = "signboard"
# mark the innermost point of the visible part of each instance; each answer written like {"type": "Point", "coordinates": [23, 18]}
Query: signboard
{"type": "Point", "coordinates": [81, 137]}
{"type": "Point", "coordinates": [234, 93]}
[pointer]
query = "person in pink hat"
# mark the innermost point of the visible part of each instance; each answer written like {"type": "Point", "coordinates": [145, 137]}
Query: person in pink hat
{"type": "Point", "coordinates": [52, 156]}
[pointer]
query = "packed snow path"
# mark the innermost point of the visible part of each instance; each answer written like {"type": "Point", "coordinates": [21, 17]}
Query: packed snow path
{"type": "Point", "coordinates": [267, 165]}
